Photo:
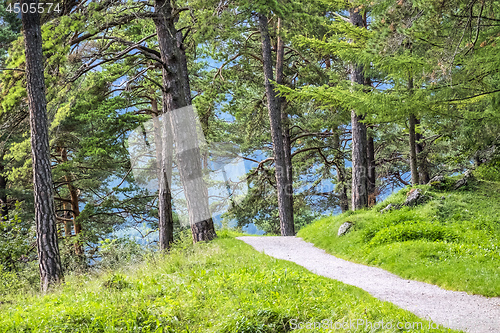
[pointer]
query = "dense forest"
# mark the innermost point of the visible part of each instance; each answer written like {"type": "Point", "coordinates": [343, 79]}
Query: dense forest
{"type": "Point", "coordinates": [326, 105]}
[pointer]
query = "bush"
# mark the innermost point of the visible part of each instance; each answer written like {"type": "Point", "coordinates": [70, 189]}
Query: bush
{"type": "Point", "coordinates": [117, 281]}
{"type": "Point", "coordinates": [489, 172]}
{"type": "Point", "coordinates": [384, 221]}
{"type": "Point", "coordinates": [413, 231]}
{"type": "Point", "coordinates": [9, 282]}
{"type": "Point", "coordinates": [25, 280]}
{"type": "Point", "coordinates": [118, 251]}
{"type": "Point", "coordinates": [16, 237]}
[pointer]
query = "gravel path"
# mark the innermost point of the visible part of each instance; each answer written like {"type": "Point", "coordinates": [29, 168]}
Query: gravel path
{"type": "Point", "coordinates": [453, 309]}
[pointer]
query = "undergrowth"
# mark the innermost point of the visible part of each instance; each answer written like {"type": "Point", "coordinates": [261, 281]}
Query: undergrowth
{"type": "Point", "coordinates": [222, 286]}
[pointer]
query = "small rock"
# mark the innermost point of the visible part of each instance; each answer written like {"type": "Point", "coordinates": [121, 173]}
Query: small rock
{"type": "Point", "coordinates": [388, 208]}
{"type": "Point", "coordinates": [443, 197]}
{"type": "Point", "coordinates": [413, 196]}
{"type": "Point", "coordinates": [344, 228]}
{"type": "Point", "coordinates": [436, 181]}
{"type": "Point", "coordinates": [462, 182]}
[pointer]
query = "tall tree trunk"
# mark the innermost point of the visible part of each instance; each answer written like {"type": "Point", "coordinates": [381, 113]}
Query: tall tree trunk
{"type": "Point", "coordinates": [75, 207]}
{"type": "Point", "coordinates": [177, 95]}
{"type": "Point", "coordinates": [341, 175]}
{"type": "Point", "coordinates": [67, 216]}
{"type": "Point", "coordinates": [359, 163]}
{"type": "Point", "coordinates": [359, 145]}
{"type": "Point", "coordinates": [164, 149]}
{"type": "Point", "coordinates": [423, 170]}
{"type": "Point", "coordinates": [4, 209]}
{"type": "Point", "coordinates": [287, 156]}
{"type": "Point", "coordinates": [45, 216]}
{"type": "Point", "coordinates": [413, 150]}
{"type": "Point", "coordinates": [287, 148]}
{"type": "Point", "coordinates": [372, 177]}
{"type": "Point", "coordinates": [274, 110]}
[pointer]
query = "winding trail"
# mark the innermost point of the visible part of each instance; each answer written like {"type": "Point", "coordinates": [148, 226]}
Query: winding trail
{"type": "Point", "coordinates": [452, 309]}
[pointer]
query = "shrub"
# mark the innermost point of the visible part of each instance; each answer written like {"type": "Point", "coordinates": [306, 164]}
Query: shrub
{"type": "Point", "coordinates": [118, 251]}
{"type": "Point", "coordinates": [383, 221]}
{"type": "Point", "coordinates": [489, 172]}
{"type": "Point", "coordinates": [117, 281]}
{"type": "Point", "coordinates": [16, 237]}
{"type": "Point", "coordinates": [9, 281]}
{"type": "Point", "coordinates": [413, 231]}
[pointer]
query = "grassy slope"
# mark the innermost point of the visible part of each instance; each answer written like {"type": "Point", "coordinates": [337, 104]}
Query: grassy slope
{"type": "Point", "coordinates": [452, 241]}
{"type": "Point", "coordinates": [222, 286]}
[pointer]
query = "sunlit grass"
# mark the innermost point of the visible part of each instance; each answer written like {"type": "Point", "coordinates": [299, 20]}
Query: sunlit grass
{"type": "Point", "coordinates": [222, 286]}
{"type": "Point", "coordinates": [452, 240]}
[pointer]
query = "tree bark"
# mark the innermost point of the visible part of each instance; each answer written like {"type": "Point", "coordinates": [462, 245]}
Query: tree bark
{"type": "Point", "coordinates": [177, 95]}
{"type": "Point", "coordinates": [287, 155]}
{"type": "Point", "coordinates": [413, 150]}
{"type": "Point", "coordinates": [4, 208]}
{"type": "Point", "coordinates": [359, 163]}
{"type": "Point", "coordinates": [45, 216]}
{"type": "Point", "coordinates": [423, 170]}
{"type": "Point", "coordinates": [75, 207]}
{"type": "Point", "coordinates": [341, 175]}
{"type": "Point", "coordinates": [274, 110]}
{"type": "Point", "coordinates": [287, 147]}
{"type": "Point", "coordinates": [164, 147]}
{"type": "Point", "coordinates": [67, 224]}
{"type": "Point", "coordinates": [372, 177]}
{"type": "Point", "coordinates": [359, 145]}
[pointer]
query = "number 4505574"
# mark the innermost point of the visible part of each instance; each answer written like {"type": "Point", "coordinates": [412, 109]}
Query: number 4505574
{"type": "Point", "coordinates": [42, 7]}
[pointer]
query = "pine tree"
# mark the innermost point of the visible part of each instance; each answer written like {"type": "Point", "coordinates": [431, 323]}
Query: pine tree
{"type": "Point", "coordinates": [45, 218]}
{"type": "Point", "coordinates": [177, 95]}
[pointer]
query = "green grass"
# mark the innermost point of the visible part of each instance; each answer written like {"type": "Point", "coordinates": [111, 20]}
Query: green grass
{"type": "Point", "coordinates": [452, 241]}
{"type": "Point", "coordinates": [221, 286]}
